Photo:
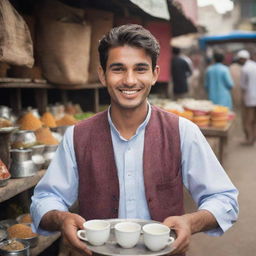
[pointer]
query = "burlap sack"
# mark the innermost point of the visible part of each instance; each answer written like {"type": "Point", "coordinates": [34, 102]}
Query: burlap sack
{"type": "Point", "coordinates": [101, 22]}
{"type": "Point", "coordinates": [16, 46]}
{"type": "Point", "coordinates": [25, 72]}
{"type": "Point", "coordinates": [63, 43]}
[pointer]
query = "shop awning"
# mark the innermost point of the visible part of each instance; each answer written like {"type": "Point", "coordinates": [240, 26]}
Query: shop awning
{"type": "Point", "coordinates": [145, 8]}
{"type": "Point", "coordinates": [156, 8]}
{"type": "Point", "coordinates": [181, 25]}
{"type": "Point", "coordinates": [235, 36]}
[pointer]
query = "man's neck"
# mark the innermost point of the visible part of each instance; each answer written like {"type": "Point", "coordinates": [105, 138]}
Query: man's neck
{"type": "Point", "coordinates": [127, 121]}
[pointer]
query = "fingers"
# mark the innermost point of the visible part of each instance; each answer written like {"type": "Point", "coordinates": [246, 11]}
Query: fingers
{"type": "Point", "coordinates": [179, 224]}
{"type": "Point", "coordinates": [69, 230]}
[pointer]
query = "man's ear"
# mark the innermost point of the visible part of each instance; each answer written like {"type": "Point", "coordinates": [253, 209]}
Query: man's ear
{"type": "Point", "coordinates": [156, 73]}
{"type": "Point", "coordinates": [101, 75]}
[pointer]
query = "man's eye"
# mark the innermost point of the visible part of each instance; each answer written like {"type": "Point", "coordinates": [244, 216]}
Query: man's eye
{"type": "Point", "coordinates": [117, 69]}
{"type": "Point", "coordinates": [141, 69]}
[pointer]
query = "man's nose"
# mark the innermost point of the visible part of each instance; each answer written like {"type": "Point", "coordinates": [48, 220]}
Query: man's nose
{"type": "Point", "coordinates": [129, 78]}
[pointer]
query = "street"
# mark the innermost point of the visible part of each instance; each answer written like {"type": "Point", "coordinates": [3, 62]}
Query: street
{"type": "Point", "coordinates": [240, 164]}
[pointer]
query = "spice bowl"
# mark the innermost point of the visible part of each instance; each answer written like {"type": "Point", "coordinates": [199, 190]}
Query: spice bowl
{"type": "Point", "coordinates": [33, 241]}
{"type": "Point", "coordinates": [14, 247]}
{"type": "Point", "coordinates": [24, 218]}
{"type": "Point", "coordinates": [23, 232]}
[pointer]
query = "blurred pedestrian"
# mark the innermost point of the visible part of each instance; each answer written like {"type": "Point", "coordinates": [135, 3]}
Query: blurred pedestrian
{"type": "Point", "coordinates": [218, 82]}
{"type": "Point", "coordinates": [248, 86]}
{"type": "Point", "coordinates": [181, 70]}
{"type": "Point", "coordinates": [235, 70]}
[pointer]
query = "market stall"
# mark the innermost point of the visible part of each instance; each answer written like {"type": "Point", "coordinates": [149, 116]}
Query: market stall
{"type": "Point", "coordinates": [214, 121]}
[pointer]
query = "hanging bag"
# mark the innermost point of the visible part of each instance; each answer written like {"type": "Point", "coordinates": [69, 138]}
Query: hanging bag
{"type": "Point", "coordinates": [16, 45]}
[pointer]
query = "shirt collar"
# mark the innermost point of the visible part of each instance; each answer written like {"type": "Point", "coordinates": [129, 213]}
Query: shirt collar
{"type": "Point", "coordinates": [140, 128]}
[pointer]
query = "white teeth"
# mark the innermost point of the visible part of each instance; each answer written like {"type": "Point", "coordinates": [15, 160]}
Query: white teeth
{"type": "Point", "coordinates": [129, 92]}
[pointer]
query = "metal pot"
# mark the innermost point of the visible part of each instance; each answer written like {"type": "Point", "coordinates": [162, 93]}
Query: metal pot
{"type": "Point", "coordinates": [23, 139]}
{"type": "Point", "coordinates": [21, 155]}
{"type": "Point", "coordinates": [22, 164]}
{"type": "Point", "coordinates": [22, 252]}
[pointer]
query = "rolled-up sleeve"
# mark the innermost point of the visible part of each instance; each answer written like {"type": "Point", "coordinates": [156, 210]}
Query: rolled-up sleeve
{"type": "Point", "coordinates": [57, 190]}
{"type": "Point", "coordinates": [205, 179]}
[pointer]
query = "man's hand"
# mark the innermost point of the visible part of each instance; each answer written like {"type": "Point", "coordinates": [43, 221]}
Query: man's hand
{"type": "Point", "coordinates": [188, 224]}
{"type": "Point", "coordinates": [68, 223]}
{"type": "Point", "coordinates": [181, 226]}
{"type": "Point", "coordinates": [71, 224]}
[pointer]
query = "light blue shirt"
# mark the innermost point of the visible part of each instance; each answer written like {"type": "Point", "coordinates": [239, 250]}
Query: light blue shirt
{"type": "Point", "coordinates": [202, 175]}
{"type": "Point", "coordinates": [218, 83]}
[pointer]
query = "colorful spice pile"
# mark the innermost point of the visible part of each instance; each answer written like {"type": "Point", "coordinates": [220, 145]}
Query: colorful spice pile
{"type": "Point", "coordinates": [44, 136]}
{"type": "Point", "coordinates": [4, 173]}
{"type": "Point", "coordinates": [29, 122]}
{"type": "Point", "coordinates": [48, 120]}
{"type": "Point", "coordinates": [20, 231]}
{"type": "Point", "coordinates": [26, 218]}
{"type": "Point", "coordinates": [66, 120]}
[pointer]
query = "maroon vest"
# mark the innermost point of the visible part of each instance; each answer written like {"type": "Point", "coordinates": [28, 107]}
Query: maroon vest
{"type": "Point", "coordinates": [98, 181]}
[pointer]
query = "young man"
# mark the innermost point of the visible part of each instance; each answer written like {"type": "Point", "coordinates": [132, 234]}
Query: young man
{"type": "Point", "coordinates": [181, 69]}
{"type": "Point", "coordinates": [132, 160]}
{"type": "Point", "coordinates": [218, 82]}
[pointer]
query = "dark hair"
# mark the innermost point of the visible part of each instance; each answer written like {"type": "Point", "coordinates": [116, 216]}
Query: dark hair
{"type": "Point", "coordinates": [176, 50]}
{"type": "Point", "coordinates": [132, 35]}
{"type": "Point", "coordinates": [218, 57]}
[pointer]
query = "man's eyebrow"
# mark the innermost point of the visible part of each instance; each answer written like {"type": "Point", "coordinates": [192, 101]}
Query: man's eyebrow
{"type": "Point", "coordinates": [116, 64]}
{"type": "Point", "coordinates": [142, 64]}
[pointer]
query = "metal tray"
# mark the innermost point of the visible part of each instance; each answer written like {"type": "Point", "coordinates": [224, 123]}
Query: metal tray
{"type": "Point", "coordinates": [113, 249]}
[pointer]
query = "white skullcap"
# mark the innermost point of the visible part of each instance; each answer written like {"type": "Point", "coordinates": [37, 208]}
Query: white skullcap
{"type": "Point", "coordinates": [243, 54]}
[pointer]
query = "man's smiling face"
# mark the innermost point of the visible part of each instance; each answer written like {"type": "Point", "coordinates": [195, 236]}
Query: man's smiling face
{"type": "Point", "coordinates": [129, 76]}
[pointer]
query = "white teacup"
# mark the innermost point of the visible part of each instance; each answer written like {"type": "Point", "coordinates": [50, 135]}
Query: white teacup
{"type": "Point", "coordinates": [96, 232]}
{"type": "Point", "coordinates": [127, 234]}
{"type": "Point", "coordinates": [156, 236]}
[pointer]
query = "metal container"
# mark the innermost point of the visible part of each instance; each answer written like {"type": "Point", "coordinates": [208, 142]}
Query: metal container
{"type": "Point", "coordinates": [23, 139]}
{"type": "Point", "coordinates": [4, 182]}
{"type": "Point", "coordinates": [21, 155]}
{"type": "Point", "coordinates": [49, 153]}
{"type": "Point", "coordinates": [33, 241]}
{"type": "Point", "coordinates": [22, 252]}
{"type": "Point", "coordinates": [5, 112]}
{"type": "Point", "coordinates": [37, 155]}
{"type": "Point", "coordinates": [22, 164]}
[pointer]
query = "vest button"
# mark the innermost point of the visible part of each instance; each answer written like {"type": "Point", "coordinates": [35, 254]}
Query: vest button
{"type": "Point", "coordinates": [115, 210]}
{"type": "Point", "coordinates": [114, 197]}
